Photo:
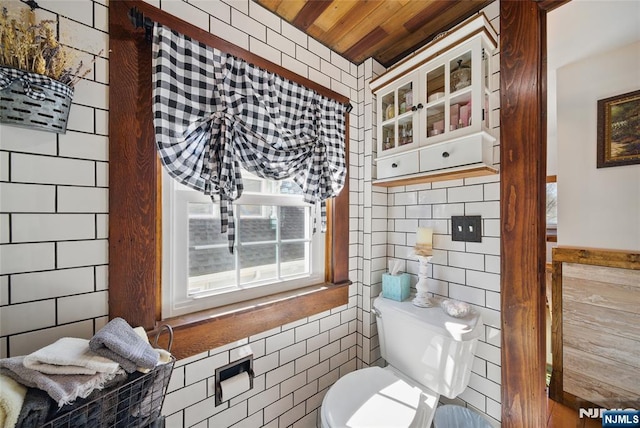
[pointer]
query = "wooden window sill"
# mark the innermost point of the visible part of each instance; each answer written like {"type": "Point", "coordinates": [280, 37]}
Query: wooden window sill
{"type": "Point", "coordinates": [201, 331]}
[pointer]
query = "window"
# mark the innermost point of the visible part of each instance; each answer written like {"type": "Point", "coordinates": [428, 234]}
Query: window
{"type": "Point", "coordinates": [552, 208]}
{"type": "Point", "coordinates": [135, 211]}
{"type": "Point", "coordinates": [275, 249]}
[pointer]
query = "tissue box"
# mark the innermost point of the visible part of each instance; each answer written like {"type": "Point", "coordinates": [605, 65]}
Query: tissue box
{"type": "Point", "coordinates": [396, 287]}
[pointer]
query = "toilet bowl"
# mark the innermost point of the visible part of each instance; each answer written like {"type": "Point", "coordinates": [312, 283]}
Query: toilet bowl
{"type": "Point", "coordinates": [428, 353]}
{"type": "Point", "coordinates": [377, 397]}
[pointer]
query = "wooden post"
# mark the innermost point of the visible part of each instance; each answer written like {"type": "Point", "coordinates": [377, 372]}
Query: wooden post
{"type": "Point", "coordinates": [522, 187]}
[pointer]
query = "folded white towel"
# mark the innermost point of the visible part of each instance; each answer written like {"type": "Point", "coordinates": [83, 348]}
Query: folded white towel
{"type": "Point", "coordinates": [165, 356]}
{"type": "Point", "coordinates": [140, 331]}
{"type": "Point", "coordinates": [69, 355]}
{"type": "Point", "coordinates": [11, 399]}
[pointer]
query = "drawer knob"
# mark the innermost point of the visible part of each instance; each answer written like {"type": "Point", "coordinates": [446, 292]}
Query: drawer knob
{"type": "Point", "coordinates": [445, 154]}
{"type": "Point", "coordinates": [394, 165]}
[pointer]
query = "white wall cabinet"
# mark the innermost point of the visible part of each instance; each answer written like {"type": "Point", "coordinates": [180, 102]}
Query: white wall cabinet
{"type": "Point", "coordinates": [433, 109]}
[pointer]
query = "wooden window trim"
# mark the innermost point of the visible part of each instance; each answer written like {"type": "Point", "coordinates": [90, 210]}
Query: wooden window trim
{"type": "Point", "coordinates": [135, 206]}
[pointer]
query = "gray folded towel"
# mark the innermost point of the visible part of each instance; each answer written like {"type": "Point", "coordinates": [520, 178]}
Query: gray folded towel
{"type": "Point", "coordinates": [64, 389]}
{"type": "Point", "coordinates": [35, 409]}
{"type": "Point", "coordinates": [119, 342]}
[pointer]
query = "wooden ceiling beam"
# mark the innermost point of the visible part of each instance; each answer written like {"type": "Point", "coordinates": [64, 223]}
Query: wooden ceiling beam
{"type": "Point", "coordinates": [333, 14]}
{"type": "Point", "coordinates": [310, 12]}
{"type": "Point", "coordinates": [347, 26]}
{"type": "Point", "coordinates": [427, 14]}
{"type": "Point", "coordinates": [285, 9]}
{"type": "Point", "coordinates": [360, 49]}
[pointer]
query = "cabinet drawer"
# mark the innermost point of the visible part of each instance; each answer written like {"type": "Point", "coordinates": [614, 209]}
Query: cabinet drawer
{"type": "Point", "coordinates": [393, 166]}
{"type": "Point", "coordinates": [466, 151]}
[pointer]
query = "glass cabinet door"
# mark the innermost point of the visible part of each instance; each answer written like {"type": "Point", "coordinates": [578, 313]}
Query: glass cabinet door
{"type": "Point", "coordinates": [405, 131]}
{"type": "Point", "coordinates": [460, 87]}
{"type": "Point", "coordinates": [405, 98]}
{"type": "Point", "coordinates": [435, 96]}
{"type": "Point", "coordinates": [460, 72]}
{"type": "Point", "coordinates": [486, 90]}
{"type": "Point", "coordinates": [388, 106]}
{"type": "Point", "coordinates": [397, 113]}
{"type": "Point", "coordinates": [388, 136]}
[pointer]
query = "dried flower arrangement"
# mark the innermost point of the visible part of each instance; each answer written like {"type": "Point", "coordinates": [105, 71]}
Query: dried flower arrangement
{"type": "Point", "coordinates": [33, 47]}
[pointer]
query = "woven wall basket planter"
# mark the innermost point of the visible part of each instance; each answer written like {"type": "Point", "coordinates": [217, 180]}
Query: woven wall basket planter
{"type": "Point", "coordinates": [31, 100]}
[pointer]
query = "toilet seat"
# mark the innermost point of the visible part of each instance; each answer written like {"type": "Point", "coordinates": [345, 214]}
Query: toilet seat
{"type": "Point", "coordinates": [376, 397]}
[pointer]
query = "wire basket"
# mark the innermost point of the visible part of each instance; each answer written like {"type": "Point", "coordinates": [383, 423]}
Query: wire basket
{"type": "Point", "coordinates": [133, 403]}
{"type": "Point", "coordinates": [31, 100]}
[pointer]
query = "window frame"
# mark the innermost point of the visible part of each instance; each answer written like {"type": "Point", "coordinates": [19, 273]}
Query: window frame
{"type": "Point", "coordinates": [176, 300]}
{"type": "Point", "coordinates": [135, 206]}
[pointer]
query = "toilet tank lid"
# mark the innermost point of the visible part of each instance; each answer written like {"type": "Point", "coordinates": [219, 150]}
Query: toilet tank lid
{"type": "Point", "coordinates": [434, 318]}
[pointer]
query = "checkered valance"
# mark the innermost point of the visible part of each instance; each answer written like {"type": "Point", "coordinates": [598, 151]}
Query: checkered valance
{"type": "Point", "coordinates": [214, 113]}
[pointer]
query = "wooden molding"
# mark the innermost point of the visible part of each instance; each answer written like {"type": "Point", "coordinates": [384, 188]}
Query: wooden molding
{"type": "Point", "coordinates": [522, 187]}
{"type": "Point", "coordinates": [439, 176]}
{"type": "Point", "coordinates": [549, 5]}
{"type": "Point", "coordinates": [202, 331]}
{"type": "Point", "coordinates": [134, 245]}
{"type": "Point", "coordinates": [135, 214]}
{"type": "Point", "coordinates": [598, 257]}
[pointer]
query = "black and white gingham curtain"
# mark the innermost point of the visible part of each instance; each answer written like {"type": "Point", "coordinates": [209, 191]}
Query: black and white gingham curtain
{"type": "Point", "coordinates": [214, 113]}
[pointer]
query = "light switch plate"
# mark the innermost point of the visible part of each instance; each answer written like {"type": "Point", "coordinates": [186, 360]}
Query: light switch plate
{"type": "Point", "coordinates": [466, 228]}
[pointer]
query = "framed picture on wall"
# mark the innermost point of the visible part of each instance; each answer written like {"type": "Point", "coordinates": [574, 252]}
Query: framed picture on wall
{"type": "Point", "coordinates": [619, 130]}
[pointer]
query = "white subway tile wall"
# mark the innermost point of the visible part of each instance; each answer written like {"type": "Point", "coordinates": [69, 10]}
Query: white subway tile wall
{"type": "Point", "coordinates": [459, 270]}
{"type": "Point", "coordinates": [54, 234]}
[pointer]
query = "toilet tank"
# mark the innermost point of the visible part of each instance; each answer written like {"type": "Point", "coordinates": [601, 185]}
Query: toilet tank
{"type": "Point", "coordinates": [427, 345]}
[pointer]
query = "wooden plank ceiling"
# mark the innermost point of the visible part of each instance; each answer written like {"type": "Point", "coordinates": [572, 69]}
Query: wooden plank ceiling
{"type": "Point", "coordinates": [387, 30]}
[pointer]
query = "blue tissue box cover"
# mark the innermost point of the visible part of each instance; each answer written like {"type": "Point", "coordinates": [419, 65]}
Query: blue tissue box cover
{"type": "Point", "coordinates": [396, 287]}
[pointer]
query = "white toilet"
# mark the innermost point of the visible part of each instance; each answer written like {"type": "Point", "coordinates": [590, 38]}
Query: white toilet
{"type": "Point", "coordinates": [429, 354]}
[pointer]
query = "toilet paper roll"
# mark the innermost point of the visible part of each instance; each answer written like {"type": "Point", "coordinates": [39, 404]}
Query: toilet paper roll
{"type": "Point", "coordinates": [234, 386]}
